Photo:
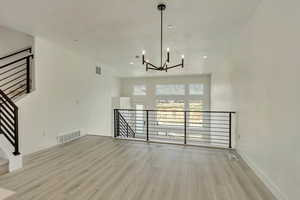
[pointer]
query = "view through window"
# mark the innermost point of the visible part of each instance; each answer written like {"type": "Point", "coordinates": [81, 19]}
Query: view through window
{"type": "Point", "coordinates": [172, 117]}
{"type": "Point", "coordinates": [195, 118]}
{"type": "Point", "coordinates": [170, 89]}
{"type": "Point", "coordinates": [139, 90]}
{"type": "Point", "coordinates": [196, 89]}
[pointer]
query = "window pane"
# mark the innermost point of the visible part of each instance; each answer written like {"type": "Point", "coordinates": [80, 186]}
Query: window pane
{"type": "Point", "coordinates": [196, 105]}
{"type": "Point", "coordinates": [196, 89]}
{"type": "Point", "coordinates": [139, 90]}
{"type": "Point", "coordinates": [196, 118]}
{"type": "Point", "coordinates": [172, 89]}
{"type": "Point", "coordinates": [171, 117]}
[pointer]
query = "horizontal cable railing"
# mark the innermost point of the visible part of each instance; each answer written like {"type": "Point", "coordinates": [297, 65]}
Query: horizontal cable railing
{"type": "Point", "coordinates": [9, 121]}
{"type": "Point", "coordinates": [124, 128]}
{"type": "Point", "coordinates": [18, 52]}
{"type": "Point", "coordinates": [15, 77]}
{"type": "Point", "coordinates": [209, 128]}
{"type": "Point", "coordinates": [15, 69]}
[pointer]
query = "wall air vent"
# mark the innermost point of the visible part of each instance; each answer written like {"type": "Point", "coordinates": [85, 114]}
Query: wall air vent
{"type": "Point", "coordinates": [68, 137]}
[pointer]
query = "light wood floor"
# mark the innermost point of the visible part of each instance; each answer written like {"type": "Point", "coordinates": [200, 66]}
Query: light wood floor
{"type": "Point", "coordinates": [101, 168]}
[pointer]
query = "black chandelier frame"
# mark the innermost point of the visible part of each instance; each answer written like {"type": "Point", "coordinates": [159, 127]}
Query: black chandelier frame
{"type": "Point", "coordinates": [166, 65]}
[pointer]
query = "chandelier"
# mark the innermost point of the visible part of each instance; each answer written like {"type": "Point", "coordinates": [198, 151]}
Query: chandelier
{"type": "Point", "coordinates": [166, 65]}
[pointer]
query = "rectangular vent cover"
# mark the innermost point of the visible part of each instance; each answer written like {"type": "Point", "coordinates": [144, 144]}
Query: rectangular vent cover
{"type": "Point", "coordinates": [61, 139]}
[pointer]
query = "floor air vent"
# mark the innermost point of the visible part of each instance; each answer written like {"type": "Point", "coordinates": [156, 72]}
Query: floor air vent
{"type": "Point", "coordinates": [64, 138]}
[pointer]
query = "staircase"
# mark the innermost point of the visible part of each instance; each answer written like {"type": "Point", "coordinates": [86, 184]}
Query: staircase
{"type": "Point", "coordinates": [124, 129]}
{"type": "Point", "coordinates": [15, 82]}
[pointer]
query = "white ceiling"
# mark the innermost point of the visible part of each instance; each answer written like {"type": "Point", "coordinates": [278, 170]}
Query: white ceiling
{"type": "Point", "coordinates": [115, 31]}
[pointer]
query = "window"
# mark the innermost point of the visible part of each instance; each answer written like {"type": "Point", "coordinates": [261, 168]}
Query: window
{"type": "Point", "coordinates": [170, 118]}
{"type": "Point", "coordinates": [171, 89]}
{"type": "Point", "coordinates": [139, 90]}
{"type": "Point", "coordinates": [196, 118]}
{"type": "Point", "coordinates": [196, 89]}
{"type": "Point", "coordinates": [170, 105]}
{"type": "Point", "coordinates": [196, 105]}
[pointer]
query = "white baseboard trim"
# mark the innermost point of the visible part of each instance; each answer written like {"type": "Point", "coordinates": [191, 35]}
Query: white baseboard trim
{"type": "Point", "coordinates": [266, 180]}
{"type": "Point", "coordinates": [91, 134]}
{"type": "Point", "coordinates": [99, 134]}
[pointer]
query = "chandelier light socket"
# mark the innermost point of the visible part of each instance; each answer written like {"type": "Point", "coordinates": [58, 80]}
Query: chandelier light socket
{"type": "Point", "coordinates": [143, 59]}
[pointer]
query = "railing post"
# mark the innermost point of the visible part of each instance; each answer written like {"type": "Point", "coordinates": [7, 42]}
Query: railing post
{"type": "Point", "coordinates": [115, 123]}
{"type": "Point", "coordinates": [230, 121]}
{"type": "Point", "coordinates": [28, 74]}
{"type": "Point", "coordinates": [16, 127]}
{"type": "Point", "coordinates": [118, 123]}
{"type": "Point", "coordinates": [147, 124]}
{"type": "Point", "coordinates": [127, 130]}
{"type": "Point", "coordinates": [1, 118]}
{"type": "Point", "coordinates": [185, 121]}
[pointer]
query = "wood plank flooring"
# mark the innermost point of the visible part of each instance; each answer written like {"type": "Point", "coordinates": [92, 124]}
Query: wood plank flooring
{"type": "Point", "coordinates": [101, 168]}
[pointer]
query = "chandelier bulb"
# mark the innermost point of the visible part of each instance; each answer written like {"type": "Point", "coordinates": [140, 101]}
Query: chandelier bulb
{"type": "Point", "coordinates": [182, 56]}
{"type": "Point", "coordinates": [144, 52]}
{"type": "Point", "coordinates": [168, 49]}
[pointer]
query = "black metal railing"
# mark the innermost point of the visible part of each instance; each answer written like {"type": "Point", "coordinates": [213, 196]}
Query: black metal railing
{"type": "Point", "coordinates": [205, 128]}
{"type": "Point", "coordinates": [9, 121]}
{"type": "Point", "coordinates": [15, 73]}
{"type": "Point", "coordinates": [124, 129]}
{"type": "Point", "coordinates": [15, 81]}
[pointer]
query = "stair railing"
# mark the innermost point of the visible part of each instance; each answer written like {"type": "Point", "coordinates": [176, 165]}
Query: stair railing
{"type": "Point", "coordinates": [15, 75]}
{"type": "Point", "coordinates": [9, 121]}
{"type": "Point", "coordinates": [124, 129]}
{"type": "Point", "coordinates": [15, 81]}
{"type": "Point", "coordinates": [28, 49]}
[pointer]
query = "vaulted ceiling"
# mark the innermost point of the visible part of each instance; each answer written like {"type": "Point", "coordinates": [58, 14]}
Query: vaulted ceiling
{"type": "Point", "coordinates": [113, 32]}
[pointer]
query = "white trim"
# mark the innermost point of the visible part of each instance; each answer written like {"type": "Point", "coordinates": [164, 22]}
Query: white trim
{"type": "Point", "coordinates": [263, 177]}
{"type": "Point", "coordinates": [93, 134]}
{"type": "Point", "coordinates": [14, 162]}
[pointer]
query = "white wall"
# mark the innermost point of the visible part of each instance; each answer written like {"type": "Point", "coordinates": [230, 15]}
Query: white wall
{"type": "Point", "coordinates": [221, 88]}
{"type": "Point", "coordinates": [69, 96]}
{"type": "Point", "coordinates": [266, 90]}
{"type": "Point", "coordinates": [11, 40]}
